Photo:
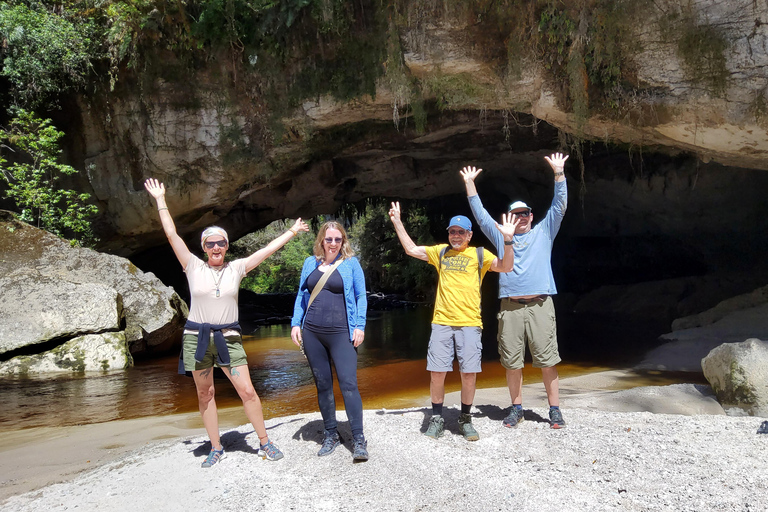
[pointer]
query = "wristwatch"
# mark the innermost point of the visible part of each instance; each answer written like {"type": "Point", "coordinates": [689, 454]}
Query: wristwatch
{"type": "Point", "coordinates": [509, 242]}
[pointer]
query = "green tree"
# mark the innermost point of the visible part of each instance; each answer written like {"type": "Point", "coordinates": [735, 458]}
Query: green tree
{"type": "Point", "coordinates": [34, 179]}
{"type": "Point", "coordinates": [280, 272]}
{"type": "Point", "coordinates": [387, 268]}
{"type": "Point", "coordinates": [43, 53]}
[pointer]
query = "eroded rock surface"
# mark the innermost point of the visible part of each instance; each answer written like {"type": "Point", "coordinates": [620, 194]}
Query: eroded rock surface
{"type": "Point", "coordinates": [738, 374]}
{"type": "Point", "coordinates": [54, 293]}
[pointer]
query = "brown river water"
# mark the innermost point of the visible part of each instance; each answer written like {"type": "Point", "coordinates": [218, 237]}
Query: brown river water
{"type": "Point", "coordinates": [391, 374]}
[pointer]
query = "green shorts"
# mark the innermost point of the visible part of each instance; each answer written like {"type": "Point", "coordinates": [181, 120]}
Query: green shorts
{"type": "Point", "coordinates": [534, 323]}
{"type": "Point", "coordinates": [234, 344]}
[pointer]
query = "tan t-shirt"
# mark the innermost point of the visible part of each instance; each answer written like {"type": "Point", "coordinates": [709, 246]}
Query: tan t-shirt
{"type": "Point", "coordinates": [458, 291]}
{"type": "Point", "coordinates": [206, 306]}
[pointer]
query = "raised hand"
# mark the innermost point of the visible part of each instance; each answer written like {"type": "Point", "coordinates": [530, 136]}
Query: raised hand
{"type": "Point", "coordinates": [394, 212]}
{"type": "Point", "coordinates": [470, 173]}
{"type": "Point", "coordinates": [556, 161]}
{"type": "Point", "coordinates": [509, 222]}
{"type": "Point", "coordinates": [299, 226]}
{"type": "Point", "coordinates": [155, 188]}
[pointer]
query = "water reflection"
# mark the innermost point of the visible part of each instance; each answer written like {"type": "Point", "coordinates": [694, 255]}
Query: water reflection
{"type": "Point", "coordinates": [392, 373]}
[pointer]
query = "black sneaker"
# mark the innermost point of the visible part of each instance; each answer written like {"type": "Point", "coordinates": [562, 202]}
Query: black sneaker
{"type": "Point", "coordinates": [360, 451]}
{"type": "Point", "coordinates": [763, 428]}
{"type": "Point", "coordinates": [556, 419]}
{"type": "Point", "coordinates": [467, 429]}
{"type": "Point", "coordinates": [514, 418]}
{"type": "Point", "coordinates": [330, 442]}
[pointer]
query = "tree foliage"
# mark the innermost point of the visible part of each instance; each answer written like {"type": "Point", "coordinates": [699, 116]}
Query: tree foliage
{"type": "Point", "coordinates": [34, 179]}
{"type": "Point", "coordinates": [387, 268]}
{"type": "Point", "coordinates": [44, 53]}
{"type": "Point", "coordinates": [280, 272]}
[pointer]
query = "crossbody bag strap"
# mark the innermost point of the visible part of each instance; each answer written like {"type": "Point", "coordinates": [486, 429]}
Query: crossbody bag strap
{"type": "Point", "coordinates": [322, 280]}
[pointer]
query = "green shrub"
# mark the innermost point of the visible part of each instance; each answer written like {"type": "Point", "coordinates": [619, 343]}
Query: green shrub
{"type": "Point", "coordinates": [34, 179]}
{"type": "Point", "coordinates": [44, 53]}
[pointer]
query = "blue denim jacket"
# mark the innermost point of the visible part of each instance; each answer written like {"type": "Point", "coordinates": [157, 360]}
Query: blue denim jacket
{"type": "Point", "coordinates": [354, 293]}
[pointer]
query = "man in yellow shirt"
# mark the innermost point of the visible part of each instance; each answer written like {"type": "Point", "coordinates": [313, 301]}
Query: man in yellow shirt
{"type": "Point", "coordinates": [456, 322]}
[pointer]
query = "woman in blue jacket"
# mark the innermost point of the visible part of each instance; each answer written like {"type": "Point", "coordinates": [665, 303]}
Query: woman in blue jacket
{"type": "Point", "coordinates": [331, 328]}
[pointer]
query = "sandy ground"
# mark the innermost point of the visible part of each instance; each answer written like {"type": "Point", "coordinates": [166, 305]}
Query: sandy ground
{"type": "Point", "coordinates": [650, 448]}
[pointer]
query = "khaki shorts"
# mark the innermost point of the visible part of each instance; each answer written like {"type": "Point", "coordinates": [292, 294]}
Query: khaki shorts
{"type": "Point", "coordinates": [465, 341]}
{"type": "Point", "coordinates": [234, 344]}
{"type": "Point", "coordinates": [534, 323]}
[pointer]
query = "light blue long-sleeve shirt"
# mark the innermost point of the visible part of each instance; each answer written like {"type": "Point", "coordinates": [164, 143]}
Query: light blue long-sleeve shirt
{"type": "Point", "coordinates": [354, 293]}
{"type": "Point", "coordinates": [532, 273]}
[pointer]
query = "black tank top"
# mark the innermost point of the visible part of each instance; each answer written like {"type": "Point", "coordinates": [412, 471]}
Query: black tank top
{"type": "Point", "coordinates": [328, 312]}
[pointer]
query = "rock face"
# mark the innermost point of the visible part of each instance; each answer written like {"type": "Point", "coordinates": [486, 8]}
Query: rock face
{"type": "Point", "coordinates": [89, 353]}
{"type": "Point", "coordinates": [87, 310]}
{"type": "Point", "coordinates": [208, 145]}
{"type": "Point", "coordinates": [731, 321]}
{"type": "Point", "coordinates": [738, 374]}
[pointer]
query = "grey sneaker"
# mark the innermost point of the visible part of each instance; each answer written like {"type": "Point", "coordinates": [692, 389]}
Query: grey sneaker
{"type": "Point", "coordinates": [360, 451]}
{"type": "Point", "coordinates": [213, 457]}
{"type": "Point", "coordinates": [436, 427]}
{"type": "Point", "coordinates": [556, 419]}
{"type": "Point", "coordinates": [270, 452]}
{"type": "Point", "coordinates": [467, 429]}
{"type": "Point", "coordinates": [330, 442]}
{"type": "Point", "coordinates": [515, 417]}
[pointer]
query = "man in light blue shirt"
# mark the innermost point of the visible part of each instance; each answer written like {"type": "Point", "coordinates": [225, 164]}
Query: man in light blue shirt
{"type": "Point", "coordinates": [527, 315]}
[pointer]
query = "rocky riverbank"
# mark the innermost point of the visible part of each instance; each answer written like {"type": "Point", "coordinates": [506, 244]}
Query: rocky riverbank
{"type": "Point", "coordinates": [686, 459]}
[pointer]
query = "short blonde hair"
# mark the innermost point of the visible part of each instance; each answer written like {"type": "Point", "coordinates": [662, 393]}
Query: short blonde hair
{"type": "Point", "coordinates": [346, 249]}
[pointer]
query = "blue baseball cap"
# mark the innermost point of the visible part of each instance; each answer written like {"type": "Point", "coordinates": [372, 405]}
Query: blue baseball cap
{"type": "Point", "coordinates": [460, 221]}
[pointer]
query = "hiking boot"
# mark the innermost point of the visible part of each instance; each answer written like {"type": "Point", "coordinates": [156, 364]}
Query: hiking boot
{"type": "Point", "coordinates": [467, 429]}
{"type": "Point", "coordinates": [270, 452]}
{"type": "Point", "coordinates": [330, 442]}
{"type": "Point", "coordinates": [514, 418]}
{"type": "Point", "coordinates": [556, 419]}
{"type": "Point", "coordinates": [436, 427]}
{"type": "Point", "coordinates": [360, 451]}
{"type": "Point", "coordinates": [213, 457]}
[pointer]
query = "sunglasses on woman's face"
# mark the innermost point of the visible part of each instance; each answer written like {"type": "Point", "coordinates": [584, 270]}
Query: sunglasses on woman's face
{"type": "Point", "coordinates": [333, 240]}
{"type": "Point", "coordinates": [211, 245]}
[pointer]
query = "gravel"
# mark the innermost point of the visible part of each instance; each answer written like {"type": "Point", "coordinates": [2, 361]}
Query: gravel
{"type": "Point", "coordinates": [632, 461]}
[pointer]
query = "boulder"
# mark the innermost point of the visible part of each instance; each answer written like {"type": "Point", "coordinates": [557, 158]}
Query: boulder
{"type": "Point", "coordinates": [53, 293]}
{"type": "Point", "coordinates": [92, 352]}
{"type": "Point", "coordinates": [738, 374]}
{"type": "Point", "coordinates": [35, 309]}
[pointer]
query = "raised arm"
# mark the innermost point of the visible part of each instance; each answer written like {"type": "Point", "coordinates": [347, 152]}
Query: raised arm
{"type": "Point", "coordinates": [482, 217]}
{"type": "Point", "coordinates": [468, 174]}
{"type": "Point", "coordinates": [253, 261]}
{"type": "Point", "coordinates": [157, 190]}
{"type": "Point", "coordinates": [507, 228]}
{"type": "Point", "coordinates": [411, 249]}
{"type": "Point", "coordinates": [557, 162]}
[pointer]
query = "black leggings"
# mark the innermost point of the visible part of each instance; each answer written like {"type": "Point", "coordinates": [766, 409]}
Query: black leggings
{"type": "Point", "coordinates": [321, 349]}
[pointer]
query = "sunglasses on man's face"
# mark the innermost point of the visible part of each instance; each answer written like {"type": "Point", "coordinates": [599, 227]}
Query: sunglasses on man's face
{"type": "Point", "coordinates": [459, 232]}
{"type": "Point", "coordinates": [333, 240]}
{"type": "Point", "coordinates": [522, 215]}
{"type": "Point", "coordinates": [211, 245]}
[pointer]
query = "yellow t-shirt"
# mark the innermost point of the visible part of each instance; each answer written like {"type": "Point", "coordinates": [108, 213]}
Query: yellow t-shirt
{"type": "Point", "coordinates": [458, 290]}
